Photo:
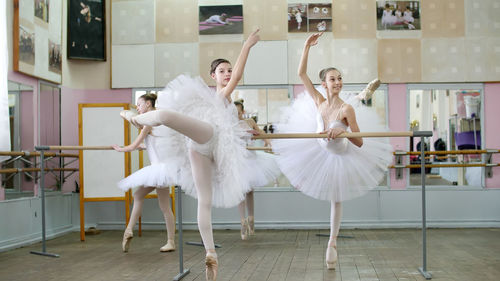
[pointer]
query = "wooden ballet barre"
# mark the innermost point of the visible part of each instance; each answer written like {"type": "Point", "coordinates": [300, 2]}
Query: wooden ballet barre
{"type": "Point", "coordinates": [36, 153]}
{"type": "Point", "coordinates": [343, 135]}
{"type": "Point", "coordinates": [443, 165]}
{"type": "Point", "coordinates": [74, 147]}
{"type": "Point", "coordinates": [471, 151]}
{"type": "Point", "coordinates": [27, 170]}
{"type": "Point", "coordinates": [259, 148]}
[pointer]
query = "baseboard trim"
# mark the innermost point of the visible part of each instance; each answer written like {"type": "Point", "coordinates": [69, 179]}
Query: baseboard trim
{"type": "Point", "coordinates": [36, 237]}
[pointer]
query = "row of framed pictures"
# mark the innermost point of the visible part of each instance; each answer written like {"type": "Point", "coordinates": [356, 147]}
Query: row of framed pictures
{"type": "Point", "coordinates": [310, 17]}
{"type": "Point", "coordinates": [38, 28]}
{"type": "Point", "coordinates": [38, 35]}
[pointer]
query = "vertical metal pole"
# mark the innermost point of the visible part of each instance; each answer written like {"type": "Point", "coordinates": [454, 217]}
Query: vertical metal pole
{"type": "Point", "coordinates": [182, 272]}
{"type": "Point", "coordinates": [423, 269]}
{"type": "Point", "coordinates": [42, 194]}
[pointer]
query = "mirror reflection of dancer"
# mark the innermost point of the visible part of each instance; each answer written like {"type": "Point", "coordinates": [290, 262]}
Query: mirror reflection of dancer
{"type": "Point", "coordinates": [333, 169]}
{"type": "Point", "coordinates": [160, 175]}
{"type": "Point", "coordinates": [214, 167]}
{"type": "Point", "coordinates": [264, 170]}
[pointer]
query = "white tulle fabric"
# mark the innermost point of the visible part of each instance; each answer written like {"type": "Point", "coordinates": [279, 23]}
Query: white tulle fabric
{"type": "Point", "coordinates": [163, 171]}
{"type": "Point", "coordinates": [334, 170]}
{"type": "Point", "coordinates": [264, 169]}
{"type": "Point", "coordinates": [231, 180]}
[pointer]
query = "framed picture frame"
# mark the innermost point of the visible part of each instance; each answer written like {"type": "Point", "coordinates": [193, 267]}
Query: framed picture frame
{"type": "Point", "coordinates": [221, 19]}
{"type": "Point", "coordinates": [37, 39]}
{"type": "Point", "coordinates": [86, 30]}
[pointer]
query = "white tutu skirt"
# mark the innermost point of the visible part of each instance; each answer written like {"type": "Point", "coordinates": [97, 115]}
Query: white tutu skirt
{"type": "Point", "coordinates": [156, 175]}
{"type": "Point", "coordinates": [230, 180]}
{"type": "Point", "coordinates": [321, 174]}
{"type": "Point", "coordinates": [264, 169]}
{"type": "Point", "coordinates": [164, 171]}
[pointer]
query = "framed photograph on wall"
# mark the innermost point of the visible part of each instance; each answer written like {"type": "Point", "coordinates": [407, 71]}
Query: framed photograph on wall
{"type": "Point", "coordinates": [37, 39]}
{"type": "Point", "coordinates": [309, 17]}
{"type": "Point", "coordinates": [225, 19]}
{"type": "Point", "coordinates": [86, 30]}
{"type": "Point", "coordinates": [398, 15]}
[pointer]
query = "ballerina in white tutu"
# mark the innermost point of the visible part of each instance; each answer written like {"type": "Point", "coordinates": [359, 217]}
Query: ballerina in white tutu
{"type": "Point", "coordinates": [264, 170]}
{"type": "Point", "coordinates": [333, 169]}
{"type": "Point", "coordinates": [160, 175]}
{"type": "Point", "coordinates": [214, 167]}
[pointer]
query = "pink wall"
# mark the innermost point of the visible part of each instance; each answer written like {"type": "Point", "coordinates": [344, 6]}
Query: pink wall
{"type": "Point", "coordinates": [69, 111]}
{"type": "Point", "coordinates": [397, 122]}
{"type": "Point", "coordinates": [491, 128]}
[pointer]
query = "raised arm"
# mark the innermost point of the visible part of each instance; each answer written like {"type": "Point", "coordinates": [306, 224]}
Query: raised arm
{"type": "Point", "coordinates": [257, 131]}
{"type": "Point", "coordinates": [137, 142]}
{"type": "Point", "coordinates": [239, 66]}
{"type": "Point", "coordinates": [310, 41]}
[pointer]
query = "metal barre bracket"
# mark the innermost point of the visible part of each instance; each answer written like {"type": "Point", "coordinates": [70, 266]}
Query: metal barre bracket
{"type": "Point", "coordinates": [488, 157]}
{"type": "Point", "coordinates": [398, 164]}
{"type": "Point", "coordinates": [422, 134]}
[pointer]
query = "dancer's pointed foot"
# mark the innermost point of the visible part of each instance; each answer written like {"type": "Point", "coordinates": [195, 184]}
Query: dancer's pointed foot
{"type": "Point", "coordinates": [367, 93]}
{"type": "Point", "coordinates": [244, 229]}
{"type": "Point", "coordinates": [251, 225]}
{"type": "Point", "coordinates": [129, 115]}
{"type": "Point", "coordinates": [127, 238]}
{"type": "Point", "coordinates": [331, 257]}
{"type": "Point", "coordinates": [211, 266]}
{"type": "Point", "coordinates": [169, 247]}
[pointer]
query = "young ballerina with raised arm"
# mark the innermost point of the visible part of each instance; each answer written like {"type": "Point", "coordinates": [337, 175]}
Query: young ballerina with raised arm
{"type": "Point", "coordinates": [160, 175]}
{"type": "Point", "coordinates": [333, 169]}
{"type": "Point", "coordinates": [215, 165]}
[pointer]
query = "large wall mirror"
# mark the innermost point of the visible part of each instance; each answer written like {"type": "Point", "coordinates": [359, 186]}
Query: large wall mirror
{"type": "Point", "coordinates": [21, 138]}
{"type": "Point", "coordinates": [454, 114]}
{"type": "Point", "coordinates": [49, 132]}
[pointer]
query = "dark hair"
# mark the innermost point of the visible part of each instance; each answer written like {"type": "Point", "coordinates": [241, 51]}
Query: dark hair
{"type": "Point", "coordinates": [216, 63]}
{"type": "Point", "coordinates": [240, 103]}
{"type": "Point", "coordinates": [149, 97]}
{"type": "Point", "coordinates": [323, 72]}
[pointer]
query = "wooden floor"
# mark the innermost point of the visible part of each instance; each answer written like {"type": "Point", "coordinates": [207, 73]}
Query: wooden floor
{"type": "Point", "coordinates": [391, 254]}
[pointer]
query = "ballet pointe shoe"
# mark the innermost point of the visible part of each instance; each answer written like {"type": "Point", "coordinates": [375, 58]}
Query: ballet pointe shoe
{"type": "Point", "coordinates": [169, 247]}
{"type": "Point", "coordinates": [251, 225]}
{"type": "Point", "coordinates": [331, 257]}
{"type": "Point", "coordinates": [367, 92]}
{"type": "Point", "coordinates": [129, 115]}
{"type": "Point", "coordinates": [127, 238]}
{"type": "Point", "coordinates": [211, 266]}
{"type": "Point", "coordinates": [244, 229]}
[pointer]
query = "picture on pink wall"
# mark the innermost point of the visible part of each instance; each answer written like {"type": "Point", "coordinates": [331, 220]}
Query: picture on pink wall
{"type": "Point", "coordinates": [398, 15]}
{"type": "Point", "coordinates": [312, 17]}
{"type": "Point", "coordinates": [225, 19]}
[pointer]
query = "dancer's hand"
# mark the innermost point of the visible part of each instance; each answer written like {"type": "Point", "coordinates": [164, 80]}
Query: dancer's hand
{"type": "Point", "coordinates": [254, 132]}
{"type": "Point", "coordinates": [333, 133]}
{"type": "Point", "coordinates": [118, 148]}
{"type": "Point", "coordinates": [253, 38]}
{"type": "Point", "coordinates": [313, 39]}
